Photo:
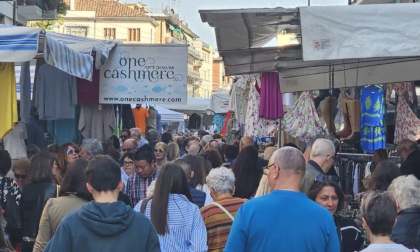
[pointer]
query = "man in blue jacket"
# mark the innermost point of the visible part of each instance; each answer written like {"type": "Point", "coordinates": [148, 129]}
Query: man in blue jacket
{"type": "Point", "coordinates": [285, 219]}
{"type": "Point", "coordinates": [104, 224]}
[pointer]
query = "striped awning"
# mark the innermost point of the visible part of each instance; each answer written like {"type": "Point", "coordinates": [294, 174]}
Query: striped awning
{"type": "Point", "coordinates": [72, 54]}
{"type": "Point", "coordinates": [18, 44]}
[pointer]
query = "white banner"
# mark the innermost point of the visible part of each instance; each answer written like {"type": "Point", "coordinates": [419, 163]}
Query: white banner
{"type": "Point", "coordinates": [155, 74]}
{"type": "Point", "coordinates": [360, 31]}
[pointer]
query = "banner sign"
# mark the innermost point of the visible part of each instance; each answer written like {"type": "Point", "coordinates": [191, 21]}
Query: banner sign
{"type": "Point", "coordinates": [153, 74]}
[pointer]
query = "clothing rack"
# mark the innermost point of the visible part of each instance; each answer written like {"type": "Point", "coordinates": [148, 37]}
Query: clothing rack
{"type": "Point", "coordinates": [365, 157]}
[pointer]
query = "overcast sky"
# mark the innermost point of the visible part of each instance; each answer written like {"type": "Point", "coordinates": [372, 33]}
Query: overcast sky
{"type": "Point", "coordinates": [188, 10]}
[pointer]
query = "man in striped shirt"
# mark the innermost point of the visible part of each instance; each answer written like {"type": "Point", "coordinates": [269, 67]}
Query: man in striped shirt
{"type": "Point", "coordinates": [138, 183]}
{"type": "Point", "coordinates": [218, 216]}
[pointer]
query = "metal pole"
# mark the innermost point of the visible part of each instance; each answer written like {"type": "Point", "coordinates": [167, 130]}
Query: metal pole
{"type": "Point", "coordinates": [14, 11]}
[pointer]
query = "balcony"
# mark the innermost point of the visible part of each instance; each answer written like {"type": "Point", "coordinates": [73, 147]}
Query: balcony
{"type": "Point", "coordinates": [37, 9]}
{"type": "Point", "coordinates": [193, 73]}
{"type": "Point", "coordinates": [193, 52]}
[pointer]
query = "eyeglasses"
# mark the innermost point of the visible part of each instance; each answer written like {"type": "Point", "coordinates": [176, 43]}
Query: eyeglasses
{"type": "Point", "coordinates": [127, 149]}
{"type": "Point", "coordinates": [128, 163]}
{"type": "Point", "coordinates": [265, 168]}
{"type": "Point", "coordinates": [70, 151]}
{"type": "Point", "coordinates": [123, 136]}
{"type": "Point", "coordinates": [321, 178]}
{"type": "Point", "coordinates": [20, 176]}
{"type": "Point", "coordinates": [159, 151]}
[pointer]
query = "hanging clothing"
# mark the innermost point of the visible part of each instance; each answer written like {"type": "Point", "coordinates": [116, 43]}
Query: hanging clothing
{"type": "Point", "coordinates": [56, 95]}
{"type": "Point", "coordinates": [407, 125]}
{"type": "Point", "coordinates": [97, 121]}
{"type": "Point", "coordinates": [88, 91]}
{"type": "Point", "coordinates": [256, 126]}
{"type": "Point", "coordinates": [238, 101]}
{"type": "Point", "coordinates": [140, 115]}
{"type": "Point", "coordinates": [232, 130]}
{"type": "Point", "coordinates": [207, 119]}
{"type": "Point", "coordinates": [25, 92]}
{"type": "Point", "coordinates": [224, 127]}
{"type": "Point", "coordinates": [271, 101]}
{"type": "Point", "coordinates": [8, 99]}
{"type": "Point", "coordinates": [35, 133]}
{"type": "Point", "coordinates": [127, 117]}
{"type": "Point", "coordinates": [372, 124]}
{"type": "Point", "coordinates": [302, 120]}
{"type": "Point", "coordinates": [218, 121]}
{"type": "Point", "coordinates": [151, 120]}
{"type": "Point", "coordinates": [159, 122]}
{"type": "Point", "coordinates": [14, 141]}
{"type": "Point", "coordinates": [194, 121]}
{"type": "Point", "coordinates": [63, 130]}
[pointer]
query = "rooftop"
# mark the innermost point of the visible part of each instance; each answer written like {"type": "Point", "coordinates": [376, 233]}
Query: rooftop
{"type": "Point", "coordinates": [106, 8]}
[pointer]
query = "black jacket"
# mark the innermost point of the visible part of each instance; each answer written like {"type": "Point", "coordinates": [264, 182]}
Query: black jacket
{"type": "Point", "coordinates": [410, 165]}
{"type": "Point", "coordinates": [34, 197]}
{"type": "Point", "coordinates": [351, 238]}
{"type": "Point", "coordinates": [407, 229]}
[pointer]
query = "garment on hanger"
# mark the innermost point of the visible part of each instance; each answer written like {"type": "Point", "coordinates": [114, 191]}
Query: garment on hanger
{"type": "Point", "coordinates": [88, 91]}
{"type": "Point", "coordinates": [140, 115]}
{"type": "Point", "coordinates": [407, 125]}
{"type": "Point", "coordinates": [238, 100]}
{"type": "Point", "coordinates": [14, 141]}
{"type": "Point", "coordinates": [158, 122]}
{"type": "Point", "coordinates": [224, 127]}
{"type": "Point", "coordinates": [127, 117]}
{"type": "Point", "coordinates": [232, 130]}
{"type": "Point", "coordinates": [218, 121]}
{"type": "Point", "coordinates": [194, 121]}
{"type": "Point", "coordinates": [56, 95]}
{"type": "Point", "coordinates": [271, 101]}
{"type": "Point", "coordinates": [302, 120]}
{"type": "Point", "coordinates": [207, 119]}
{"type": "Point", "coordinates": [151, 120]}
{"type": "Point", "coordinates": [25, 91]}
{"type": "Point", "coordinates": [8, 99]}
{"type": "Point", "coordinates": [63, 130]}
{"type": "Point", "coordinates": [256, 126]}
{"type": "Point", "coordinates": [372, 124]}
{"type": "Point", "coordinates": [97, 121]}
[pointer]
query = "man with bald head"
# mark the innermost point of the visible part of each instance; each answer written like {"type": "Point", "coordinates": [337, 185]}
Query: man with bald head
{"type": "Point", "coordinates": [285, 219]}
{"type": "Point", "coordinates": [320, 162]}
{"type": "Point", "coordinates": [129, 145]}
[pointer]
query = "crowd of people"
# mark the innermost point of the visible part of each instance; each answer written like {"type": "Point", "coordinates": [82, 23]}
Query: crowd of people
{"type": "Point", "coordinates": [194, 192]}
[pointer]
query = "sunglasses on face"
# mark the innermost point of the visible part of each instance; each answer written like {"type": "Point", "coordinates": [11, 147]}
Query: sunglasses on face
{"type": "Point", "coordinates": [69, 151]}
{"type": "Point", "coordinates": [123, 136]}
{"type": "Point", "coordinates": [128, 163]}
{"type": "Point", "coordinates": [159, 151]}
{"type": "Point", "coordinates": [20, 176]}
{"type": "Point", "coordinates": [321, 178]}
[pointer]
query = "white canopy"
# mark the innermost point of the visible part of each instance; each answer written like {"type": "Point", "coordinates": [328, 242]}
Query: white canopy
{"type": "Point", "coordinates": [194, 105]}
{"type": "Point", "coordinates": [168, 115]}
{"type": "Point", "coordinates": [384, 46]}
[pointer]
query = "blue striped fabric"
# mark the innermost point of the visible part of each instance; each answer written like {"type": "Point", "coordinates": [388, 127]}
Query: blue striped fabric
{"type": "Point", "coordinates": [72, 54]}
{"type": "Point", "coordinates": [187, 231]}
{"type": "Point", "coordinates": [18, 44]}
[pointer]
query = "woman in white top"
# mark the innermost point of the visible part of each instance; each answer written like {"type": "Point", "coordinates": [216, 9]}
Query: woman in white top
{"type": "Point", "coordinates": [379, 214]}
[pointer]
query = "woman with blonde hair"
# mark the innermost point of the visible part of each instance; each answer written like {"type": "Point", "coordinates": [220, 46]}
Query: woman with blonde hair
{"type": "Point", "coordinates": [263, 187]}
{"type": "Point", "coordinates": [160, 154]}
{"type": "Point", "coordinates": [172, 151]}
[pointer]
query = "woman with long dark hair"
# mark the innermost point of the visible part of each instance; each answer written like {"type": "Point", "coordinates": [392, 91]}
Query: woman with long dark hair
{"type": "Point", "coordinates": [35, 195]}
{"type": "Point", "coordinates": [177, 220]}
{"type": "Point", "coordinates": [246, 173]}
{"type": "Point", "coordinates": [329, 195]}
{"type": "Point", "coordinates": [73, 194]}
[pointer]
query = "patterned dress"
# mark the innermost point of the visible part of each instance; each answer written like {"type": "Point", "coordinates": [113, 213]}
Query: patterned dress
{"type": "Point", "coordinates": [407, 125]}
{"type": "Point", "coordinates": [372, 123]}
{"type": "Point", "coordinates": [302, 120]}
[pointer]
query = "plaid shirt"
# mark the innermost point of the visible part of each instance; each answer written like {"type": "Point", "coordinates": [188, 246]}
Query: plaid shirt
{"type": "Point", "coordinates": [137, 186]}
